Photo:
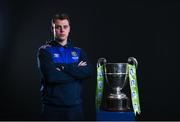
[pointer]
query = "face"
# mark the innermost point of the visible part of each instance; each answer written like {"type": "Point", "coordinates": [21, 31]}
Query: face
{"type": "Point", "coordinates": [61, 29]}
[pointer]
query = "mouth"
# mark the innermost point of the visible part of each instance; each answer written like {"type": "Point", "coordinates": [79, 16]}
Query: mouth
{"type": "Point", "coordinates": [62, 35]}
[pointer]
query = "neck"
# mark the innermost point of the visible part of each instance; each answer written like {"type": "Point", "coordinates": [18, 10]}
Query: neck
{"type": "Point", "coordinates": [62, 42]}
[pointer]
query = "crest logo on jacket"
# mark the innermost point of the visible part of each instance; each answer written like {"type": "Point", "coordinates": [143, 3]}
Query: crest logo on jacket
{"type": "Point", "coordinates": [74, 55]}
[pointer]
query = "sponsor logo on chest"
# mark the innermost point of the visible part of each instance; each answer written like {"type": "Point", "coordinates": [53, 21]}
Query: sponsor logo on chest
{"type": "Point", "coordinates": [55, 55]}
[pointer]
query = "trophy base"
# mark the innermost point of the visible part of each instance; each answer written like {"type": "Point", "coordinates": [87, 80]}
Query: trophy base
{"type": "Point", "coordinates": [117, 104]}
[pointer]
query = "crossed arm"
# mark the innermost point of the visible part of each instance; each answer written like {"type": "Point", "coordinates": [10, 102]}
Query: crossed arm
{"type": "Point", "coordinates": [63, 73]}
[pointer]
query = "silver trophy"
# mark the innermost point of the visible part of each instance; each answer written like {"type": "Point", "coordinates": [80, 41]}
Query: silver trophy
{"type": "Point", "coordinates": [116, 75]}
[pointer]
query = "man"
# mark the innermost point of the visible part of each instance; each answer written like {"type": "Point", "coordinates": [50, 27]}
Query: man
{"type": "Point", "coordinates": [63, 67]}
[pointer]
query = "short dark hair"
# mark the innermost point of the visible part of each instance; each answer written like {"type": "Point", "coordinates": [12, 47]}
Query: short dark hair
{"type": "Point", "coordinates": [60, 16]}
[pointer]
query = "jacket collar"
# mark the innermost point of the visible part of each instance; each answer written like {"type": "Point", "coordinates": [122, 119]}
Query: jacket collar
{"type": "Point", "coordinates": [56, 43]}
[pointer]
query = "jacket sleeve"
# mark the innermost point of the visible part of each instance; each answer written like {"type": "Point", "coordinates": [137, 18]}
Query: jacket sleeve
{"type": "Point", "coordinates": [79, 72]}
{"type": "Point", "coordinates": [49, 70]}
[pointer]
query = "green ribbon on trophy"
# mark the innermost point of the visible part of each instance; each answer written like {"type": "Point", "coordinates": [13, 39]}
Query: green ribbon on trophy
{"type": "Point", "coordinates": [99, 86]}
{"type": "Point", "coordinates": [134, 88]}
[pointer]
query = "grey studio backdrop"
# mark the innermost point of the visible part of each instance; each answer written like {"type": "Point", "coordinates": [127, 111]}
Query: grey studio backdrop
{"type": "Point", "coordinates": [115, 30]}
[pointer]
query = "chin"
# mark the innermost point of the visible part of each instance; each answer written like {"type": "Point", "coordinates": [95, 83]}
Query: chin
{"type": "Point", "coordinates": [61, 39]}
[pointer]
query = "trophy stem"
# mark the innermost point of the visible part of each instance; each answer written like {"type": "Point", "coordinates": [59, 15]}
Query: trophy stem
{"type": "Point", "coordinates": [116, 90]}
{"type": "Point", "coordinates": [117, 101]}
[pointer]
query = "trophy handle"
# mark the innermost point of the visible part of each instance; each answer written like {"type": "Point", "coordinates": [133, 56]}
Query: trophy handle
{"type": "Point", "coordinates": [132, 60]}
{"type": "Point", "coordinates": [101, 61]}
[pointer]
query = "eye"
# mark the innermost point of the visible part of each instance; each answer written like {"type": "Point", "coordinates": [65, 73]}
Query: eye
{"type": "Point", "coordinates": [57, 27]}
{"type": "Point", "coordinates": [66, 26]}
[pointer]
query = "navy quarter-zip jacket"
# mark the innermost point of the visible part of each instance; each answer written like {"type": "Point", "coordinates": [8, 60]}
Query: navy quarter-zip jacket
{"type": "Point", "coordinates": [61, 77]}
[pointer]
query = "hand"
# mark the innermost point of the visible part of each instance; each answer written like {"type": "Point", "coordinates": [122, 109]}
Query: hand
{"type": "Point", "coordinates": [60, 69]}
{"type": "Point", "coordinates": [82, 63]}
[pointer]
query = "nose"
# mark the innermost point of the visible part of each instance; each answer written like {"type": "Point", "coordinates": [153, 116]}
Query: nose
{"type": "Point", "coordinates": [61, 29]}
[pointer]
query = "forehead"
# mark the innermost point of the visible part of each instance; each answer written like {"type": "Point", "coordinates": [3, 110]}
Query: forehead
{"type": "Point", "coordinates": [61, 22]}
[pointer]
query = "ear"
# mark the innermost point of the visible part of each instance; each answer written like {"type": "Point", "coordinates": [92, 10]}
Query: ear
{"type": "Point", "coordinates": [53, 30]}
{"type": "Point", "coordinates": [69, 28]}
{"type": "Point", "coordinates": [52, 27]}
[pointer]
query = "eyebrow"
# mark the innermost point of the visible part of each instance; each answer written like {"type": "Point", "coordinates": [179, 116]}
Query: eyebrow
{"type": "Point", "coordinates": [60, 25]}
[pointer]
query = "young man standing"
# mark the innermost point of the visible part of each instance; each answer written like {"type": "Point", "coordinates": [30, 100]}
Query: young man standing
{"type": "Point", "coordinates": [62, 67]}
